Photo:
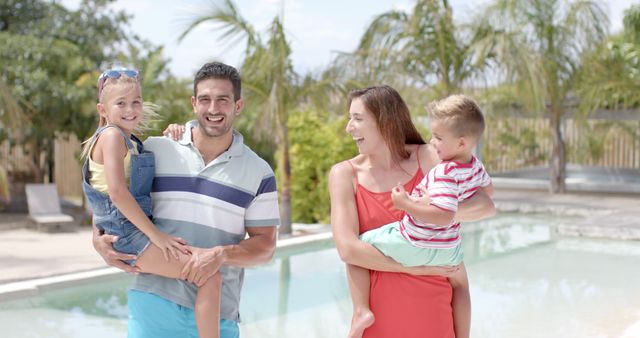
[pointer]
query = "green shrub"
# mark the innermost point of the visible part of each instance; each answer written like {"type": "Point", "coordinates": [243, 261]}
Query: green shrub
{"type": "Point", "coordinates": [316, 145]}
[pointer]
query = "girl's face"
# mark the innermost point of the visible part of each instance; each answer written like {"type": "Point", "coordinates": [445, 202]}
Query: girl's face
{"type": "Point", "coordinates": [122, 106]}
{"type": "Point", "coordinates": [447, 144]}
{"type": "Point", "coordinates": [363, 128]}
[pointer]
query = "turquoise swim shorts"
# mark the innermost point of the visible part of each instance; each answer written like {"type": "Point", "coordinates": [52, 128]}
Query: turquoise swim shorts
{"type": "Point", "coordinates": [152, 316]}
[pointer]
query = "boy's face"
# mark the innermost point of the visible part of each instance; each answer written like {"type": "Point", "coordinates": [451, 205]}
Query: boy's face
{"type": "Point", "coordinates": [447, 144]}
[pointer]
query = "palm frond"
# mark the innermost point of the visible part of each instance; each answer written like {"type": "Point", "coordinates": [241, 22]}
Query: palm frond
{"type": "Point", "coordinates": [225, 14]}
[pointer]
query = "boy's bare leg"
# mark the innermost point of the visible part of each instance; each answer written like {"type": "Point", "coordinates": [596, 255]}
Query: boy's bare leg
{"type": "Point", "coordinates": [359, 284]}
{"type": "Point", "coordinates": [208, 299]}
{"type": "Point", "coordinates": [461, 303]}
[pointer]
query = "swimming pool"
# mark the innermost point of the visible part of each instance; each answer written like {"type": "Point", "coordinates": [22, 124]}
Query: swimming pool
{"type": "Point", "coordinates": [525, 282]}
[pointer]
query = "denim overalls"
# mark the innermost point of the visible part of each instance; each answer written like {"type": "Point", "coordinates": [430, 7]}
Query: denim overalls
{"type": "Point", "coordinates": [106, 216]}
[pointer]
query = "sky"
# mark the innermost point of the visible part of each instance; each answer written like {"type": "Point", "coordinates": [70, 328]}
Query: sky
{"type": "Point", "coordinates": [317, 29]}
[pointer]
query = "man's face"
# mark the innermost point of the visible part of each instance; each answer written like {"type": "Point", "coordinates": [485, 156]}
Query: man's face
{"type": "Point", "coordinates": [215, 107]}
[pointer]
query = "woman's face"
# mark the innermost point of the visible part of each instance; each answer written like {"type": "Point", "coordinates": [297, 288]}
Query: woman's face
{"type": "Point", "coordinates": [363, 128]}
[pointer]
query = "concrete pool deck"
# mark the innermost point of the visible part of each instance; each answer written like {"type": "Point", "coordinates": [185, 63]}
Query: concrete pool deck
{"type": "Point", "coordinates": [34, 261]}
{"type": "Point", "coordinates": [27, 256]}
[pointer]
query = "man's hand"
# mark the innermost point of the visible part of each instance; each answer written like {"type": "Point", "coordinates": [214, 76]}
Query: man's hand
{"type": "Point", "coordinates": [104, 246]}
{"type": "Point", "coordinates": [203, 264]}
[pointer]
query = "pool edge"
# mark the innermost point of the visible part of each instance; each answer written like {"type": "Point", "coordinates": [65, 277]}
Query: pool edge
{"type": "Point", "coordinates": [33, 287]}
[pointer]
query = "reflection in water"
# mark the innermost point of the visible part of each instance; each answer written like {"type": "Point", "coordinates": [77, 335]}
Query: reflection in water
{"type": "Point", "coordinates": [283, 299]}
{"type": "Point", "coordinates": [524, 282]}
{"type": "Point", "coordinates": [494, 238]}
{"type": "Point", "coordinates": [285, 279]}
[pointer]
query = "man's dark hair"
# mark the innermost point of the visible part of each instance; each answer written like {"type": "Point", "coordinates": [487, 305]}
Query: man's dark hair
{"type": "Point", "coordinates": [219, 70]}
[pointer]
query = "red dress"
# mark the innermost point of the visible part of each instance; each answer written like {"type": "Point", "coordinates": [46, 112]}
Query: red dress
{"type": "Point", "coordinates": [405, 306]}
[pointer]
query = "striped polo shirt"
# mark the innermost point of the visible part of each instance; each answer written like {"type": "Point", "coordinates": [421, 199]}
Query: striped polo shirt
{"type": "Point", "coordinates": [208, 205]}
{"type": "Point", "coordinates": [448, 184]}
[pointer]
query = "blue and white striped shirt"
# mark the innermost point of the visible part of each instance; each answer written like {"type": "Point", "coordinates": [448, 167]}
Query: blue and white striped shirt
{"type": "Point", "coordinates": [208, 205]}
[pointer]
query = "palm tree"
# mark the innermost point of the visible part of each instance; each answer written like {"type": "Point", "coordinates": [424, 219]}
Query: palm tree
{"type": "Point", "coordinates": [614, 68]}
{"type": "Point", "coordinates": [538, 45]}
{"type": "Point", "coordinates": [11, 118]}
{"type": "Point", "coordinates": [270, 81]}
{"type": "Point", "coordinates": [11, 112]}
{"type": "Point", "coordinates": [424, 46]}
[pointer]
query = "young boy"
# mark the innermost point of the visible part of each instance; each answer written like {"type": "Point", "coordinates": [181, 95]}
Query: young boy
{"type": "Point", "coordinates": [428, 233]}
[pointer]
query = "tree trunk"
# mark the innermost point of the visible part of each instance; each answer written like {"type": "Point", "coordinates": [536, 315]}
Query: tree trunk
{"type": "Point", "coordinates": [284, 166]}
{"type": "Point", "coordinates": [35, 163]}
{"type": "Point", "coordinates": [558, 161]}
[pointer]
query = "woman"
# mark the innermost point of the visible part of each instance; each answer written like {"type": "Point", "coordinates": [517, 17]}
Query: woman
{"type": "Point", "coordinates": [405, 301]}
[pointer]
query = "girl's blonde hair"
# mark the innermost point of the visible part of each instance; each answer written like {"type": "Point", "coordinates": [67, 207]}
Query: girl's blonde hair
{"type": "Point", "coordinates": [149, 109]}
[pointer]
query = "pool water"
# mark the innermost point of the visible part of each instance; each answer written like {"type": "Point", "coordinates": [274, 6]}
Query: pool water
{"type": "Point", "coordinates": [525, 282]}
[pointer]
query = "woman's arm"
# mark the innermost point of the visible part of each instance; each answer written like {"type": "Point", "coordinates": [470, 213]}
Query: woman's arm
{"type": "Point", "coordinates": [476, 208]}
{"type": "Point", "coordinates": [344, 224]}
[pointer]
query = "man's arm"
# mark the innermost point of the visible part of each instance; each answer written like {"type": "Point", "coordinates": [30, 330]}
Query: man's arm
{"type": "Point", "coordinates": [257, 249]}
{"type": "Point", "coordinates": [103, 244]}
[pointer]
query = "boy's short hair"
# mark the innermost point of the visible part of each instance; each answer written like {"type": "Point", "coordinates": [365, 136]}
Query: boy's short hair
{"type": "Point", "coordinates": [219, 70]}
{"type": "Point", "coordinates": [460, 113]}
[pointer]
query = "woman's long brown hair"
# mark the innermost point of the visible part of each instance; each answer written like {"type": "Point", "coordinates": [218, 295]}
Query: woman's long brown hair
{"type": "Point", "coordinates": [392, 117]}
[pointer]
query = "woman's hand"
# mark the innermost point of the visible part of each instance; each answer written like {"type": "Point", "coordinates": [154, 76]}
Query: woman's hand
{"type": "Point", "coordinates": [445, 271]}
{"type": "Point", "coordinates": [174, 131]}
{"type": "Point", "coordinates": [169, 245]}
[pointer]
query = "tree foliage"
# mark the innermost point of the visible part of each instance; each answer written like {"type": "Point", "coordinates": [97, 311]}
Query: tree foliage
{"type": "Point", "coordinates": [52, 57]}
{"type": "Point", "coordinates": [272, 88]}
{"type": "Point", "coordinates": [316, 145]}
{"type": "Point", "coordinates": [44, 58]}
{"type": "Point", "coordinates": [423, 47]}
{"type": "Point", "coordinates": [537, 45]}
{"type": "Point", "coordinates": [613, 75]}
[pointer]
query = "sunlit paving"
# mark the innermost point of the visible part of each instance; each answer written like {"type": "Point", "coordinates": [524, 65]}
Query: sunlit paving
{"type": "Point", "coordinates": [358, 169]}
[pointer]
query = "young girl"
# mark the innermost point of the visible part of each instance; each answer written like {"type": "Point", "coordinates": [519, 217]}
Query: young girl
{"type": "Point", "coordinates": [117, 179]}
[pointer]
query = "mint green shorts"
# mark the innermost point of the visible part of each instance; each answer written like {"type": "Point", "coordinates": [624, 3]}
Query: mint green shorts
{"type": "Point", "coordinates": [390, 242]}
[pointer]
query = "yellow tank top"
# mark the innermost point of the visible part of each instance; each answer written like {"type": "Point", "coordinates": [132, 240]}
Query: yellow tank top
{"type": "Point", "coordinates": [98, 178]}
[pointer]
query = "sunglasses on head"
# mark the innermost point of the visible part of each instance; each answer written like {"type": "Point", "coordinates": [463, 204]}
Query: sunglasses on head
{"type": "Point", "coordinates": [115, 74]}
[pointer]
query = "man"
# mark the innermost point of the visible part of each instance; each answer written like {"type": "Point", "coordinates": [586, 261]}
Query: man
{"type": "Point", "coordinates": [211, 190]}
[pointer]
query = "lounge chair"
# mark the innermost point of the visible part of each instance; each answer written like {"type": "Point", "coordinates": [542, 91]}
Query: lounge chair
{"type": "Point", "coordinates": [45, 213]}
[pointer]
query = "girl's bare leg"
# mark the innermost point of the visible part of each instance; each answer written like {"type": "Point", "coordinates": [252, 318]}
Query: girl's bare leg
{"type": "Point", "coordinates": [208, 299]}
{"type": "Point", "coordinates": [208, 308]}
{"type": "Point", "coordinates": [359, 284]}
{"type": "Point", "coordinates": [461, 303]}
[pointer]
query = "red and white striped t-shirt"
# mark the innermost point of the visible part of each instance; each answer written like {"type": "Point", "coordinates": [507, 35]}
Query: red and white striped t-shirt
{"type": "Point", "coordinates": [448, 184]}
